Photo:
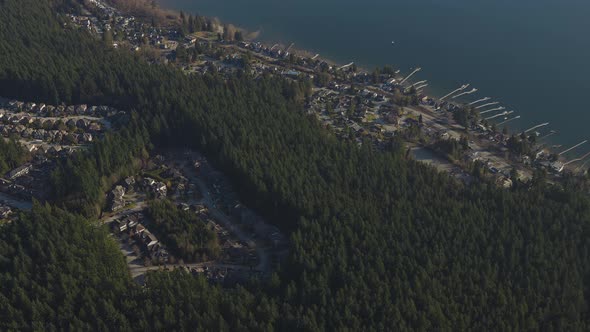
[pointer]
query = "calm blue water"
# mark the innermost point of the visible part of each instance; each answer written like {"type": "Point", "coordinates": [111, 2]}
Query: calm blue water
{"type": "Point", "coordinates": [531, 55]}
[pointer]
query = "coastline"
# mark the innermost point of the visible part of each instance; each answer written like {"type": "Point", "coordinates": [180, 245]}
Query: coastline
{"type": "Point", "coordinates": [450, 106]}
{"type": "Point", "coordinates": [505, 68]}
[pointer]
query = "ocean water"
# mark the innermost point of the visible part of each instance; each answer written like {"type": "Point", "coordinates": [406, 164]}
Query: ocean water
{"type": "Point", "coordinates": [530, 55]}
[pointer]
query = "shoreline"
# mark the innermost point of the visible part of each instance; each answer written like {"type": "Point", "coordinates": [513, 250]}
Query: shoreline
{"type": "Point", "coordinates": [449, 105]}
{"type": "Point", "coordinates": [524, 101]}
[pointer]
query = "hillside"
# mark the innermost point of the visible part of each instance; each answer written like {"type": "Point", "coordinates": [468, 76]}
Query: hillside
{"type": "Point", "coordinates": [379, 242]}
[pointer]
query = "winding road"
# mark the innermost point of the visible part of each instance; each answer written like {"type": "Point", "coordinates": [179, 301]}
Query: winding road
{"type": "Point", "coordinates": [135, 264]}
{"type": "Point", "coordinates": [226, 222]}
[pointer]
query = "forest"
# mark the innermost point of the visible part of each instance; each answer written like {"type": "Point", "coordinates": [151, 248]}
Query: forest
{"type": "Point", "coordinates": [12, 155]}
{"type": "Point", "coordinates": [378, 241]}
{"type": "Point", "coordinates": [187, 235]}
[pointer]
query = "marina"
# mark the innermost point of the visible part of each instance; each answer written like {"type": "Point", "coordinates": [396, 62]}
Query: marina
{"type": "Point", "coordinates": [459, 92]}
{"type": "Point", "coordinates": [504, 63]}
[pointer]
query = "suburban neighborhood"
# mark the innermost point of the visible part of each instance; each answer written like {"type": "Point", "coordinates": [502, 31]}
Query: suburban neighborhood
{"type": "Point", "coordinates": [357, 105]}
{"type": "Point", "coordinates": [379, 108]}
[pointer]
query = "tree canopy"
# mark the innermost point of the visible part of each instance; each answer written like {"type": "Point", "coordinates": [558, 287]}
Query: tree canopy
{"type": "Point", "coordinates": [378, 242]}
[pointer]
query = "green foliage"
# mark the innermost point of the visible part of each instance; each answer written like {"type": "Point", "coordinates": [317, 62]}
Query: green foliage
{"type": "Point", "coordinates": [379, 242]}
{"type": "Point", "coordinates": [452, 148]}
{"type": "Point", "coordinates": [176, 301]}
{"type": "Point", "coordinates": [321, 79]}
{"type": "Point", "coordinates": [462, 116]}
{"type": "Point", "coordinates": [59, 272]}
{"type": "Point", "coordinates": [183, 232]}
{"type": "Point", "coordinates": [519, 145]}
{"type": "Point", "coordinates": [12, 154]}
{"type": "Point", "coordinates": [80, 181]}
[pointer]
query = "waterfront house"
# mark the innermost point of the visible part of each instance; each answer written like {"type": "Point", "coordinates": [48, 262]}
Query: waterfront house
{"type": "Point", "coordinates": [557, 166]}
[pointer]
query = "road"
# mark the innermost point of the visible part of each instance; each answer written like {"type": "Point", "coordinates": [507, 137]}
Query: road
{"type": "Point", "coordinates": [484, 151]}
{"type": "Point", "coordinates": [107, 124]}
{"type": "Point", "coordinates": [137, 269]}
{"type": "Point", "coordinates": [137, 207]}
{"type": "Point", "coordinates": [226, 222]}
{"type": "Point", "coordinates": [136, 265]}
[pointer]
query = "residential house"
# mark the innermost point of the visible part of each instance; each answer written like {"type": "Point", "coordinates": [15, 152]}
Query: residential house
{"type": "Point", "coordinates": [27, 133]}
{"type": "Point", "coordinates": [504, 182]}
{"type": "Point", "coordinates": [83, 123]}
{"type": "Point", "coordinates": [120, 225]}
{"type": "Point", "coordinates": [71, 123]}
{"type": "Point", "coordinates": [129, 183]}
{"type": "Point", "coordinates": [116, 196]}
{"type": "Point", "coordinates": [81, 109]}
{"type": "Point", "coordinates": [19, 171]}
{"type": "Point", "coordinates": [149, 240]}
{"type": "Point", "coordinates": [5, 212]}
{"type": "Point", "coordinates": [85, 138]}
{"type": "Point", "coordinates": [557, 166]}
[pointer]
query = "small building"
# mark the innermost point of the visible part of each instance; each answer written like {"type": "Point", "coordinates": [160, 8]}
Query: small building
{"type": "Point", "coordinates": [85, 138]}
{"type": "Point", "coordinates": [190, 39]}
{"type": "Point", "coordinates": [117, 201]}
{"type": "Point", "coordinates": [82, 123]}
{"type": "Point", "coordinates": [160, 189]}
{"type": "Point", "coordinates": [81, 109]}
{"type": "Point", "coordinates": [139, 229]}
{"type": "Point", "coordinates": [19, 171]}
{"type": "Point", "coordinates": [183, 207]}
{"type": "Point", "coordinates": [557, 166]}
{"type": "Point", "coordinates": [119, 225]}
{"type": "Point", "coordinates": [150, 240]}
{"type": "Point", "coordinates": [504, 182]}
{"type": "Point", "coordinates": [133, 220]}
{"type": "Point", "coordinates": [148, 182]}
{"type": "Point", "coordinates": [129, 183]}
{"type": "Point", "coordinates": [71, 123]}
{"type": "Point", "coordinates": [5, 212]}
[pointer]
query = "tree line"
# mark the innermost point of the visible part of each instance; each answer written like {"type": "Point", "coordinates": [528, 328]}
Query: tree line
{"type": "Point", "coordinates": [378, 241]}
{"type": "Point", "coordinates": [12, 155]}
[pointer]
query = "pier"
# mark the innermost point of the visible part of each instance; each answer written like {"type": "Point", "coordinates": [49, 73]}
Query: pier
{"type": "Point", "coordinates": [500, 114]}
{"type": "Point", "coordinates": [493, 110]}
{"type": "Point", "coordinates": [474, 90]}
{"type": "Point", "coordinates": [463, 87]}
{"type": "Point", "coordinates": [418, 85]}
{"type": "Point", "coordinates": [509, 120]}
{"type": "Point", "coordinates": [346, 66]}
{"type": "Point", "coordinates": [536, 127]}
{"type": "Point", "coordinates": [486, 105]}
{"type": "Point", "coordinates": [577, 159]}
{"type": "Point", "coordinates": [411, 74]}
{"type": "Point", "coordinates": [419, 82]}
{"type": "Point", "coordinates": [573, 147]}
{"type": "Point", "coordinates": [479, 101]}
{"type": "Point", "coordinates": [552, 132]}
